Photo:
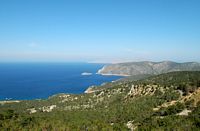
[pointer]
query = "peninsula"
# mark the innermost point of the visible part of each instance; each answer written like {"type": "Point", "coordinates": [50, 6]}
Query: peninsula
{"type": "Point", "coordinates": [147, 67]}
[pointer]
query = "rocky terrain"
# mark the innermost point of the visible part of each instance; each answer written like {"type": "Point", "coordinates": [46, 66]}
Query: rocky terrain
{"type": "Point", "coordinates": [147, 67]}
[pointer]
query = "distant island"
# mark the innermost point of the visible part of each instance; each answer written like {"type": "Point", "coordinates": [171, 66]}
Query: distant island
{"type": "Point", "coordinates": [86, 74]}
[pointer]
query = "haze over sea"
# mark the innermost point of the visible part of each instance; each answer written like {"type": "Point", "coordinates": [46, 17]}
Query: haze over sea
{"type": "Point", "coordinates": [22, 81]}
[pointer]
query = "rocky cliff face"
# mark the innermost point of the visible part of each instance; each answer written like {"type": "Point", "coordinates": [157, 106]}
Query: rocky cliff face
{"type": "Point", "coordinates": [147, 67]}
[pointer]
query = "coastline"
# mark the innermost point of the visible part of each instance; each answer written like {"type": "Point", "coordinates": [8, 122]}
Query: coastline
{"type": "Point", "coordinates": [110, 74]}
{"type": "Point", "coordinates": [7, 102]}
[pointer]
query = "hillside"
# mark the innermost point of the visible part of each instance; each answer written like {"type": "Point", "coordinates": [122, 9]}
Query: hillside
{"type": "Point", "coordinates": [147, 67]}
{"type": "Point", "coordinates": [168, 101]}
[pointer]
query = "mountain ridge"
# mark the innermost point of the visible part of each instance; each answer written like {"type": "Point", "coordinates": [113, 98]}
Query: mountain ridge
{"type": "Point", "coordinates": [147, 67]}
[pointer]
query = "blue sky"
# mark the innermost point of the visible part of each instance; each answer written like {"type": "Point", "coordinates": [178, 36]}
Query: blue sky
{"type": "Point", "coordinates": [99, 30]}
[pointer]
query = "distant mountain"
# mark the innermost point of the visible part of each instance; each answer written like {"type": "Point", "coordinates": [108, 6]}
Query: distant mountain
{"type": "Point", "coordinates": [147, 67]}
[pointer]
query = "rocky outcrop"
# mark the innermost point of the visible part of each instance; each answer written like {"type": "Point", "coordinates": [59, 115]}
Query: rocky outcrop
{"type": "Point", "coordinates": [90, 90]}
{"type": "Point", "coordinates": [48, 108]}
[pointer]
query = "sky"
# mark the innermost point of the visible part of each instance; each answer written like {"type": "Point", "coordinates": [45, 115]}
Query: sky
{"type": "Point", "coordinates": [99, 30]}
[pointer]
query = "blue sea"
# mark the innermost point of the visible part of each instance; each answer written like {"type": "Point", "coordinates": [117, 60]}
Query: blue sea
{"type": "Point", "coordinates": [26, 81]}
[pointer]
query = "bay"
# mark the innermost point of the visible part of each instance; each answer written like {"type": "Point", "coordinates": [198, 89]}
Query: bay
{"type": "Point", "coordinates": [26, 81]}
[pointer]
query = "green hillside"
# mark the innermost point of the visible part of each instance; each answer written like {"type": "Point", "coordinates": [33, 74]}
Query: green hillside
{"type": "Point", "coordinates": [164, 102]}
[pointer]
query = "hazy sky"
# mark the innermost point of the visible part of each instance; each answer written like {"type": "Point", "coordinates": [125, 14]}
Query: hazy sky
{"type": "Point", "coordinates": [99, 30]}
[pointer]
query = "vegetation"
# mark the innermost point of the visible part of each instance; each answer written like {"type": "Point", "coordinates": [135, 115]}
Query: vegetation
{"type": "Point", "coordinates": [165, 102]}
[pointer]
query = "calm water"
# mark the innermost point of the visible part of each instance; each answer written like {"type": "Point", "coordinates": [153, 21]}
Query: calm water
{"type": "Point", "coordinates": [38, 80]}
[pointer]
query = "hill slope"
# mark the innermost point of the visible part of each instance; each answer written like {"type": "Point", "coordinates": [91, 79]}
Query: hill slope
{"type": "Point", "coordinates": [146, 67]}
{"type": "Point", "coordinates": [164, 102]}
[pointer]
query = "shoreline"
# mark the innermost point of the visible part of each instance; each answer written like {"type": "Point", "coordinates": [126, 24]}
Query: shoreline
{"type": "Point", "coordinates": [109, 74]}
{"type": "Point", "coordinates": [9, 101]}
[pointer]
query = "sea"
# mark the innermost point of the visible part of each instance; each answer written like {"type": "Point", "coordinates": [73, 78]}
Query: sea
{"type": "Point", "coordinates": [27, 81]}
